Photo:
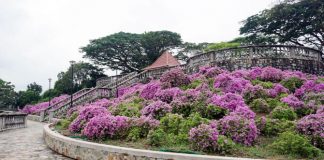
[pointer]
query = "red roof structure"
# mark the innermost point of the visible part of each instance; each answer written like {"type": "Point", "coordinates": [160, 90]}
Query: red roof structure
{"type": "Point", "coordinates": [165, 60]}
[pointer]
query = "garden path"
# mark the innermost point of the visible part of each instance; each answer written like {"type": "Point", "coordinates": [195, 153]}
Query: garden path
{"type": "Point", "coordinates": [26, 143]}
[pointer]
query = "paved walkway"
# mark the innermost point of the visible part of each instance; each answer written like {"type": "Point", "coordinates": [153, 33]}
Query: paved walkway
{"type": "Point", "coordinates": [26, 143]}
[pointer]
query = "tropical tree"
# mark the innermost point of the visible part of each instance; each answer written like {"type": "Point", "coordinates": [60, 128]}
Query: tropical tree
{"type": "Point", "coordinates": [298, 22]}
{"type": "Point", "coordinates": [130, 52]}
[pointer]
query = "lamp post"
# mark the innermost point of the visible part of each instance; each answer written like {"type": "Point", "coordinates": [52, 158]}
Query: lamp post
{"type": "Point", "coordinates": [116, 84]}
{"type": "Point", "coordinates": [72, 65]}
{"type": "Point", "coordinates": [49, 91]}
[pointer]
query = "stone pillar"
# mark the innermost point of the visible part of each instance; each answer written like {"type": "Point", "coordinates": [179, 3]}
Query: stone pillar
{"type": "Point", "coordinates": [42, 116]}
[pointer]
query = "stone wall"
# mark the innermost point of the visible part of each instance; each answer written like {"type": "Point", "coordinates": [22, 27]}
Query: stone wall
{"type": "Point", "coordinates": [12, 120]}
{"type": "Point", "coordinates": [83, 150]}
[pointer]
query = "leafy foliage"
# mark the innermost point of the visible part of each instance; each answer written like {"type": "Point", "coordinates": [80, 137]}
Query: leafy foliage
{"type": "Point", "coordinates": [297, 21]}
{"type": "Point", "coordinates": [292, 143]}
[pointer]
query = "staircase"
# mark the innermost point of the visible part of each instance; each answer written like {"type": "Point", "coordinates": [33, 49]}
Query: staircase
{"type": "Point", "coordinates": [105, 90]}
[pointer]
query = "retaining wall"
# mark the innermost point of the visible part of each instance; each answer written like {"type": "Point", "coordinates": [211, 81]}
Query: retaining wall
{"type": "Point", "coordinates": [83, 150]}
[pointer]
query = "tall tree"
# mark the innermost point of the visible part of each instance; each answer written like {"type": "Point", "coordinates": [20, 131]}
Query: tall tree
{"type": "Point", "coordinates": [34, 87]}
{"type": "Point", "coordinates": [7, 95]}
{"type": "Point", "coordinates": [130, 52]}
{"type": "Point", "coordinates": [299, 22]}
{"type": "Point", "coordinates": [84, 76]}
{"type": "Point", "coordinates": [157, 42]}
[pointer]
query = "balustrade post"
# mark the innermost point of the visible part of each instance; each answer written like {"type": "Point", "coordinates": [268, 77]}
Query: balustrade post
{"type": "Point", "coordinates": [42, 115]}
{"type": "Point", "coordinates": [51, 116]}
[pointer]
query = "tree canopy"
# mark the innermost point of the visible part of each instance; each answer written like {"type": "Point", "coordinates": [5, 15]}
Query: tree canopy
{"type": "Point", "coordinates": [298, 22]}
{"type": "Point", "coordinates": [7, 94]}
{"type": "Point", "coordinates": [85, 76]}
{"type": "Point", "coordinates": [128, 51]}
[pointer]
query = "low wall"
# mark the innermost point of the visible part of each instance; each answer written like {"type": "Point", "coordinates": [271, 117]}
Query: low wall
{"type": "Point", "coordinates": [83, 150]}
{"type": "Point", "coordinates": [12, 120]}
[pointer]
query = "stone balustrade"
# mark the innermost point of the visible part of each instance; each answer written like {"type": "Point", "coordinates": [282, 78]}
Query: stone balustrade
{"type": "Point", "coordinates": [284, 57]}
{"type": "Point", "coordinates": [87, 97]}
{"type": "Point", "coordinates": [12, 120]}
{"type": "Point", "coordinates": [45, 112]}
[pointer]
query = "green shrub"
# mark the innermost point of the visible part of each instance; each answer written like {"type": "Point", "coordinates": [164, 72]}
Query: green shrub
{"type": "Point", "coordinates": [294, 144]}
{"type": "Point", "coordinates": [283, 112]}
{"type": "Point", "coordinates": [273, 127]}
{"type": "Point", "coordinates": [211, 112]}
{"type": "Point", "coordinates": [63, 124]}
{"type": "Point", "coordinates": [156, 137]}
{"type": "Point", "coordinates": [273, 103]}
{"type": "Point", "coordinates": [134, 134]}
{"type": "Point", "coordinates": [292, 83]}
{"type": "Point", "coordinates": [224, 145]}
{"type": "Point", "coordinates": [266, 85]}
{"type": "Point", "coordinates": [131, 109]}
{"type": "Point", "coordinates": [192, 121]}
{"type": "Point", "coordinates": [192, 85]}
{"type": "Point", "coordinates": [171, 123]}
{"type": "Point", "coordinates": [260, 106]}
{"type": "Point", "coordinates": [185, 109]}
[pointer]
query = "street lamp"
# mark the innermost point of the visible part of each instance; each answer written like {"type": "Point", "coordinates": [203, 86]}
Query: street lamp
{"type": "Point", "coordinates": [72, 64]}
{"type": "Point", "coordinates": [49, 91]}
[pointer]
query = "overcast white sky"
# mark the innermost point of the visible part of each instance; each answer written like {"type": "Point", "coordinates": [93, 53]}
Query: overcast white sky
{"type": "Point", "coordinates": [38, 38]}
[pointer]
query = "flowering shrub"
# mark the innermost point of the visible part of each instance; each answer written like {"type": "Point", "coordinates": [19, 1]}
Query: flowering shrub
{"type": "Point", "coordinates": [85, 115]}
{"type": "Point", "coordinates": [239, 128]}
{"type": "Point", "coordinates": [204, 138]}
{"type": "Point", "coordinates": [293, 102]}
{"type": "Point", "coordinates": [271, 74]}
{"type": "Point", "coordinates": [210, 72]}
{"type": "Point", "coordinates": [228, 101]}
{"type": "Point", "coordinates": [149, 90]}
{"type": "Point", "coordinates": [244, 112]}
{"type": "Point", "coordinates": [106, 126]}
{"type": "Point", "coordinates": [231, 84]}
{"type": "Point", "coordinates": [277, 90]}
{"type": "Point", "coordinates": [174, 78]}
{"type": "Point", "coordinates": [254, 92]}
{"type": "Point", "coordinates": [313, 126]}
{"type": "Point", "coordinates": [209, 110]}
{"type": "Point", "coordinates": [37, 108]}
{"type": "Point", "coordinates": [167, 95]}
{"type": "Point", "coordinates": [156, 109]}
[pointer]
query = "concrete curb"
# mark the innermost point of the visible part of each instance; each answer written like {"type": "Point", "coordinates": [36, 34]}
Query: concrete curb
{"type": "Point", "coordinates": [79, 149]}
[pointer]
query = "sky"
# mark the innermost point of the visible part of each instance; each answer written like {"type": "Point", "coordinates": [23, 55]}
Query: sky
{"type": "Point", "coordinates": [38, 38]}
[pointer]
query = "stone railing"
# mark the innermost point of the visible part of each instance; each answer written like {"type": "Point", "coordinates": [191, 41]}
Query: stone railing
{"type": "Point", "coordinates": [45, 112]}
{"type": "Point", "coordinates": [279, 56]}
{"type": "Point", "coordinates": [87, 97]}
{"type": "Point", "coordinates": [104, 81]}
{"type": "Point", "coordinates": [12, 120]}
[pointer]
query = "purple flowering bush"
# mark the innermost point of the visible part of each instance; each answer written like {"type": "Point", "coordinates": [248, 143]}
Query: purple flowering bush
{"type": "Point", "coordinates": [313, 126]}
{"type": "Point", "coordinates": [156, 110]}
{"type": "Point", "coordinates": [239, 128]}
{"type": "Point", "coordinates": [37, 108]}
{"type": "Point", "coordinates": [213, 110]}
{"type": "Point", "coordinates": [106, 126]}
{"type": "Point", "coordinates": [167, 95]}
{"type": "Point", "coordinates": [85, 115]}
{"type": "Point", "coordinates": [174, 78]}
